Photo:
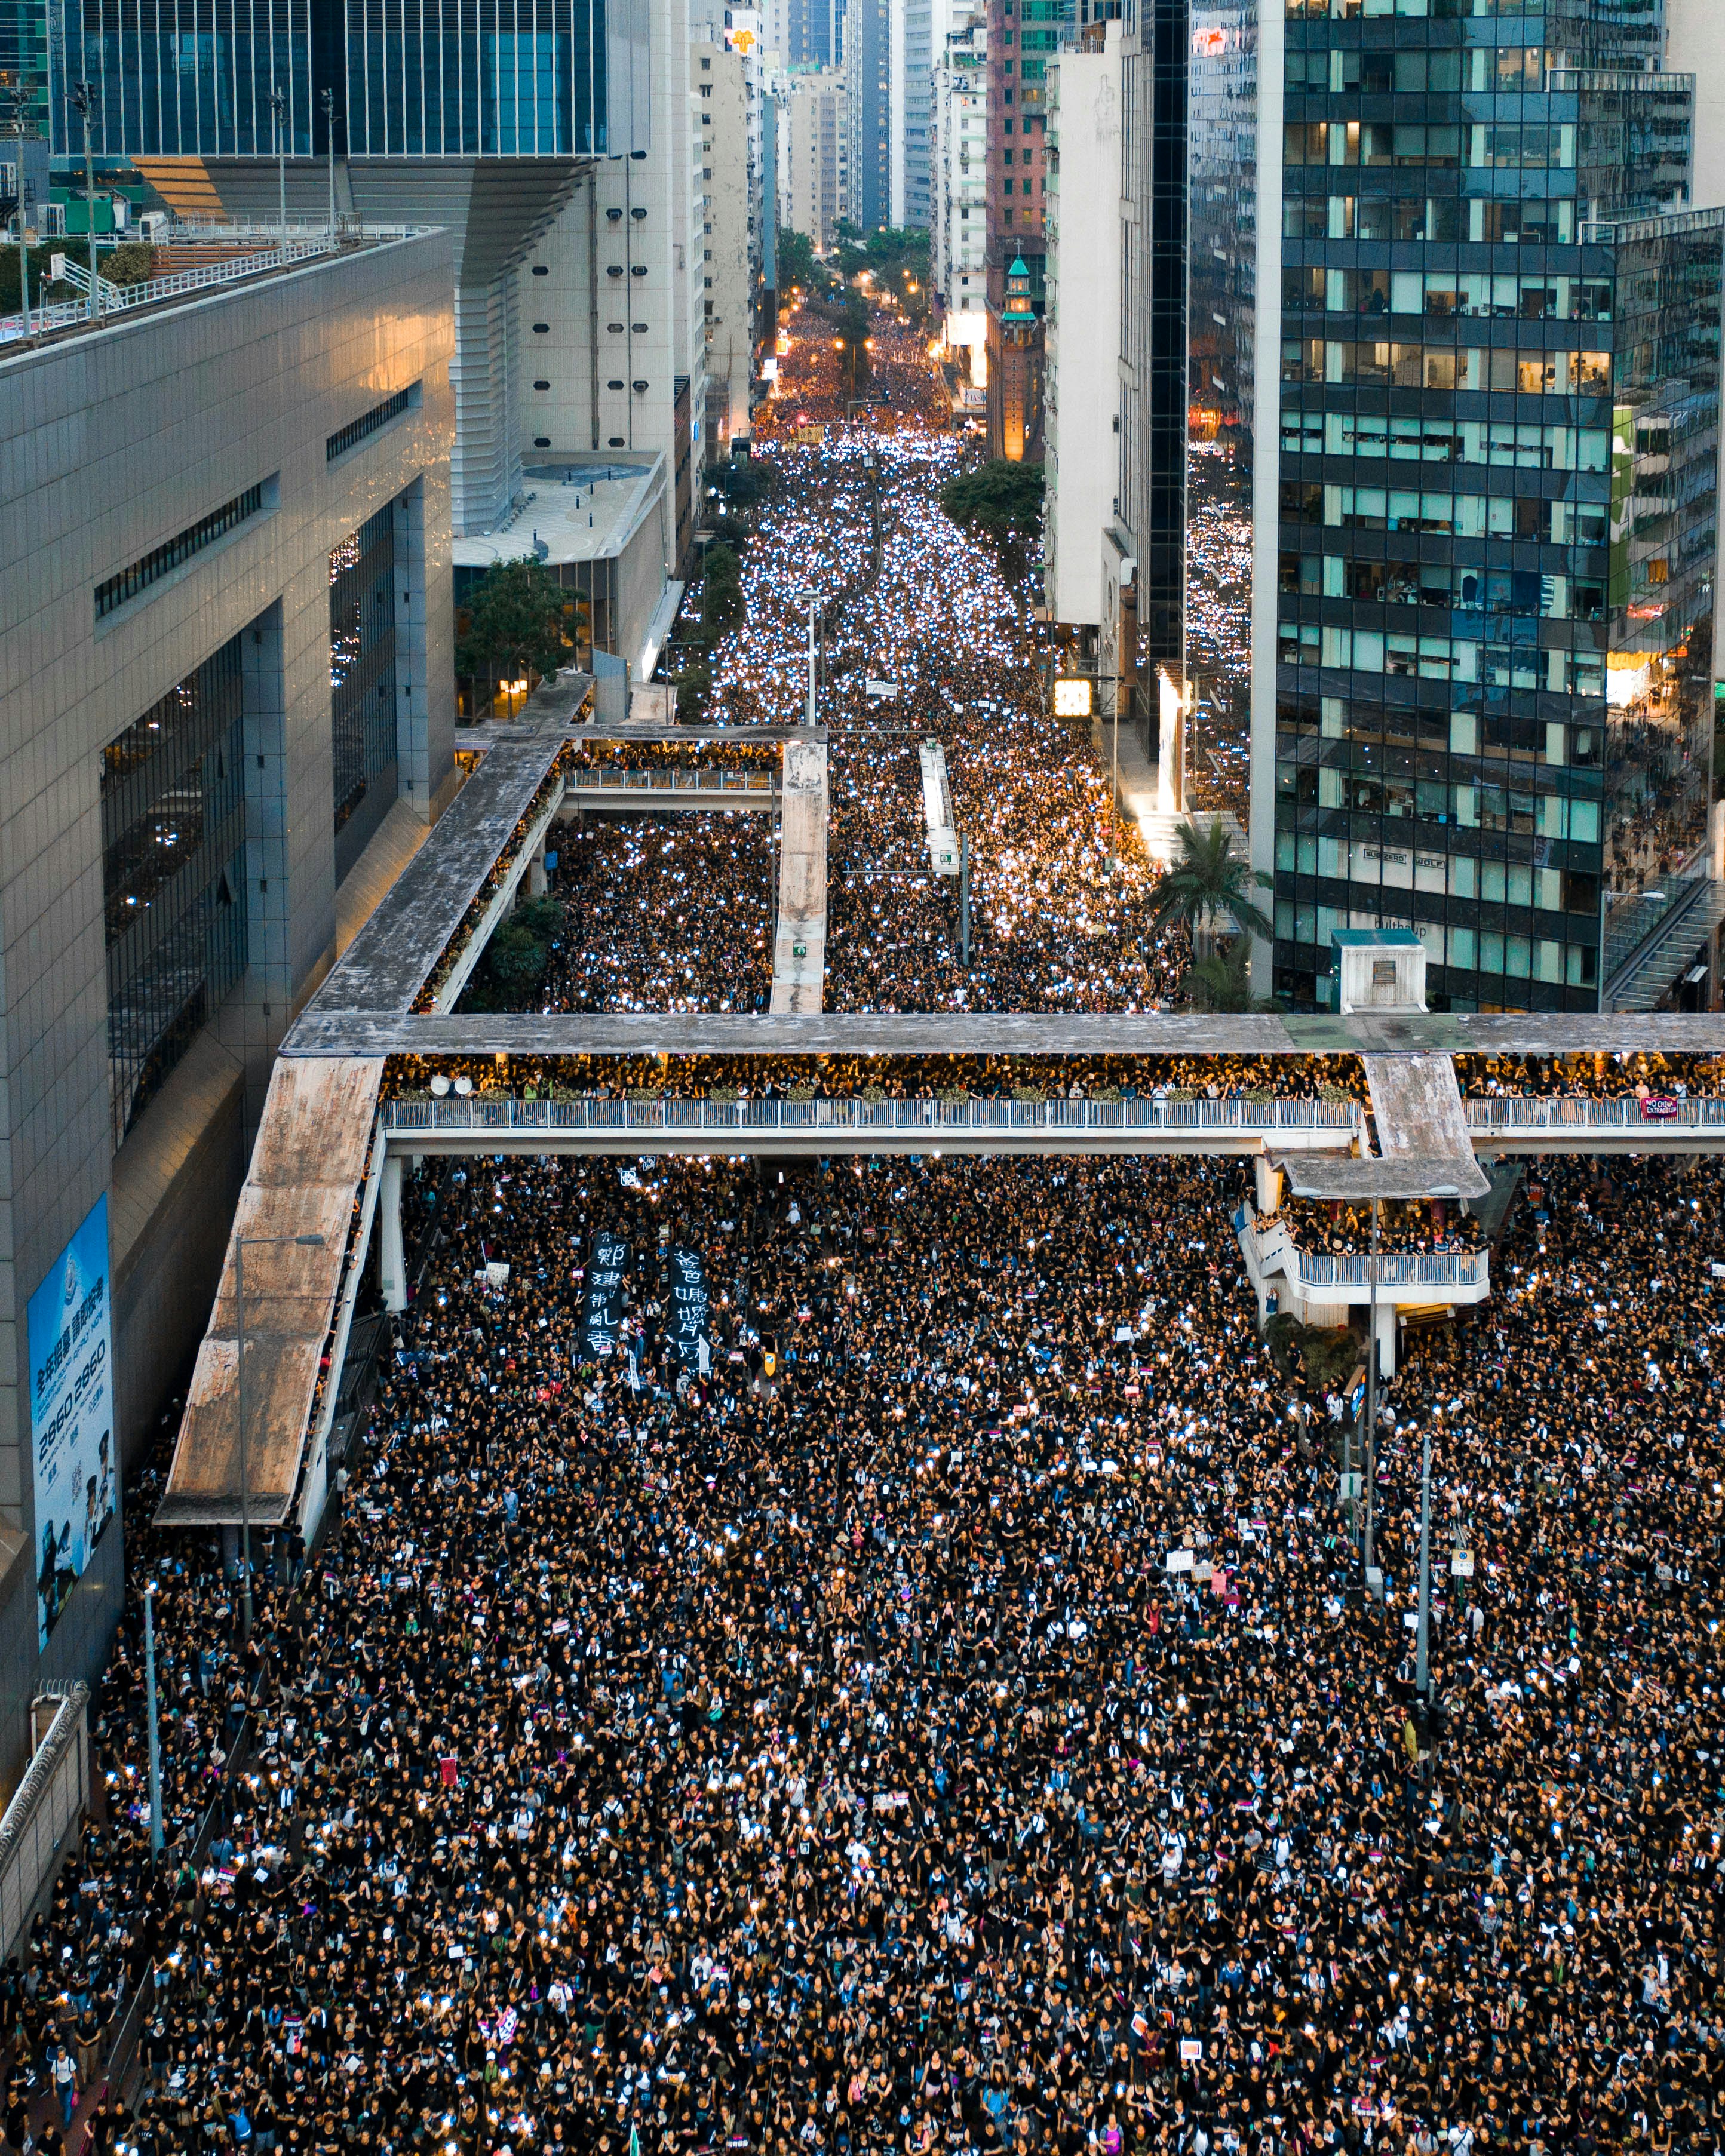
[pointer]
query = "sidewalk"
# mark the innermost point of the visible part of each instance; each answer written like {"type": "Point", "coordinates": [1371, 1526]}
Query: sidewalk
{"type": "Point", "coordinates": [1137, 790]}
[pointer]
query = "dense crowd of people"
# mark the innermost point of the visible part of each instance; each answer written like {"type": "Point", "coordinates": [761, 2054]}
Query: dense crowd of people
{"type": "Point", "coordinates": [934, 1707]}
{"type": "Point", "coordinates": [924, 639]}
{"type": "Point", "coordinates": [667, 912]}
{"type": "Point", "coordinates": [991, 1077]}
{"type": "Point", "coordinates": [1403, 1224]}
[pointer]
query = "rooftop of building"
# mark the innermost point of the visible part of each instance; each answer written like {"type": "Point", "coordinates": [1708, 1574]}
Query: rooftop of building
{"type": "Point", "coordinates": [573, 508]}
{"type": "Point", "coordinates": [197, 262]}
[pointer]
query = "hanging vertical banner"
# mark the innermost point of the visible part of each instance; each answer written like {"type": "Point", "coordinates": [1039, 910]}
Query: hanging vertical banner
{"type": "Point", "coordinates": [71, 1414]}
{"type": "Point", "coordinates": [602, 1319]}
{"type": "Point", "coordinates": [688, 1305]}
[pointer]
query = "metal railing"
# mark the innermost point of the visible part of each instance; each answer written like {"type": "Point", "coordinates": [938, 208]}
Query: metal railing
{"type": "Point", "coordinates": [1509, 1113]}
{"type": "Point", "coordinates": [1432, 1269]}
{"type": "Point", "coordinates": [279, 253]}
{"type": "Point", "coordinates": [46, 1806]}
{"type": "Point", "coordinates": [482, 1112]}
{"type": "Point", "coordinates": [608, 778]}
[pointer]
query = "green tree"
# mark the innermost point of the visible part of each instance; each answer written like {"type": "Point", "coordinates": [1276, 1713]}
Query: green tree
{"type": "Point", "coordinates": [518, 622]}
{"type": "Point", "coordinates": [1208, 880]}
{"type": "Point", "coordinates": [133, 262]}
{"type": "Point", "coordinates": [38, 259]}
{"type": "Point", "coordinates": [1218, 982]}
{"type": "Point", "coordinates": [1001, 501]}
{"type": "Point", "coordinates": [796, 260]}
{"type": "Point", "coordinates": [722, 593]}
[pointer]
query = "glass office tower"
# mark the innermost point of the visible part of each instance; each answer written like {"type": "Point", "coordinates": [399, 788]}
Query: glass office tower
{"type": "Point", "coordinates": [1490, 545]}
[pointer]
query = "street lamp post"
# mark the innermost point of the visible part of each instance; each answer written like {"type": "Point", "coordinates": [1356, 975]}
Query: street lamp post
{"type": "Point", "coordinates": [242, 1244]}
{"type": "Point", "coordinates": [156, 1836]}
{"type": "Point", "coordinates": [84, 97]}
{"type": "Point", "coordinates": [328, 101]}
{"type": "Point", "coordinates": [278, 115]}
{"type": "Point", "coordinates": [1422, 1673]}
{"type": "Point", "coordinates": [20, 121]}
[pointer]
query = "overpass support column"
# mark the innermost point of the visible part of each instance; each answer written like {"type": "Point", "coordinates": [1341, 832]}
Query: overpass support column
{"type": "Point", "coordinates": [1386, 1339]}
{"type": "Point", "coordinates": [1269, 1182]}
{"type": "Point", "coordinates": [392, 1261]}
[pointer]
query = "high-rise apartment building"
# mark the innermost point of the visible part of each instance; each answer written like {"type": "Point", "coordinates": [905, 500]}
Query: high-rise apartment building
{"type": "Point", "coordinates": [957, 224]}
{"type": "Point", "coordinates": [805, 32]}
{"type": "Point", "coordinates": [1122, 282]}
{"type": "Point", "coordinates": [1081, 384]}
{"type": "Point", "coordinates": [728, 246]}
{"type": "Point", "coordinates": [874, 87]}
{"type": "Point", "coordinates": [1481, 388]}
{"type": "Point", "coordinates": [815, 165]}
{"type": "Point", "coordinates": [611, 365]}
{"type": "Point", "coordinates": [926, 24]}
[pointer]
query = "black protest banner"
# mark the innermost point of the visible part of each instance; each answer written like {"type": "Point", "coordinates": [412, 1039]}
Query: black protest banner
{"type": "Point", "coordinates": [602, 1317]}
{"type": "Point", "coordinates": [688, 1305]}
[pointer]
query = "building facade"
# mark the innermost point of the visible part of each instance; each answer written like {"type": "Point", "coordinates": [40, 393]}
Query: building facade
{"type": "Point", "coordinates": [875, 96]}
{"type": "Point", "coordinates": [816, 163]}
{"type": "Point", "coordinates": [225, 623]}
{"type": "Point", "coordinates": [958, 227]}
{"type": "Point", "coordinates": [612, 367]}
{"type": "Point", "coordinates": [1082, 342]}
{"type": "Point", "coordinates": [1482, 631]}
{"type": "Point", "coordinates": [730, 244]}
{"type": "Point", "coordinates": [484, 128]}
{"type": "Point", "coordinates": [1023, 35]}
{"type": "Point", "coordinates": [927, 24]}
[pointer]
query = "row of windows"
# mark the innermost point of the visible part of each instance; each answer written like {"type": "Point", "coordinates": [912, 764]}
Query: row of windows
{"type": "Point", "coordinates": [1382, 72]}
{"type": "Point", "coordinates": [1508, 958]}
{"type": "Point", "coordinates": [1530, 594]}
{"type": "Point", "coordinates": [1525, 446]}
{"type": "Point", "coordinates": [1479, 146]}
{"type": "Point", "coordinates": [1478, 293]}
{"type": "Point", "coordinates": [1482, 807]}
{"type": "Point", "coordinates": [1349, 11]}
{"type": "Point", "coordinates": [1418, 366]}
{"type": "Point", "coordinates": [1521, 515]}
{"type": "Point", "coordinates": [1492, 666]}
{"type": "Point", "coordinates": [163, 560]}
{"type": "Point", "coordinates": [368, 423]}
{"type": "Point", "coordinates": [1303, 723]}
{"type": "Point", "coordinates": [1395, 862]}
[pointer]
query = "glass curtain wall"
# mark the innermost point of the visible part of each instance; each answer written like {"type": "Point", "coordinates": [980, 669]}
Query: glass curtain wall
{"type": "Point", "coordinates": [174, 883]}
{"type": "Point", "coordinates": [362, 686]}
{"type": "Point", "coordinates": [1499, 370]}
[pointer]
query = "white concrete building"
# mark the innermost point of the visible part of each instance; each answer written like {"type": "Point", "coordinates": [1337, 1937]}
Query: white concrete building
{"type": "Point", "coordinates": [815, 163]}
{"type": "Point", "coordinates": [730, 250]}
{"type": "Point", "coordinates": [957, 210]}
{"type": "Point", "coordinates": [1080, 384]}
{"type": "Point", "coordinates": [611, 307]}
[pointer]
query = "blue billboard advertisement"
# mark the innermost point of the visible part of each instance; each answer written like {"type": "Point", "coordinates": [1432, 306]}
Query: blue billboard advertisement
{"type": "Point", "coordinates": [71, 1414]}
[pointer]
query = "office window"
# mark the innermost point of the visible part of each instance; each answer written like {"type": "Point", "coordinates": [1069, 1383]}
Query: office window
{"type": "Point", "coordinates": [173, 882]}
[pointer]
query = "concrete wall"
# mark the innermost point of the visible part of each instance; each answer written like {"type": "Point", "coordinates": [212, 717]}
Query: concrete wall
{"type": "Point", "coordinates": [610, 293]}
{"type": "Point", "coordinates": [720, 104]}
{"type": "Point", "coordinates": [111, 443]}
{"type": "Point", "coordinates": [1081, 330]}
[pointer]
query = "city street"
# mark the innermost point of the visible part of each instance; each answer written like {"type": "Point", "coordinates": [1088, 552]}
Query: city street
{"type": "Point", "coordinates": [939, 623]}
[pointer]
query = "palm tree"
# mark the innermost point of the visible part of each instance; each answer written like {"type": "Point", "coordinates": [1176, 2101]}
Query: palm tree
{"type": "Point", "coordinates": [1218, 983]}
{"type": "Point", "coordinates": [1205, 881]}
